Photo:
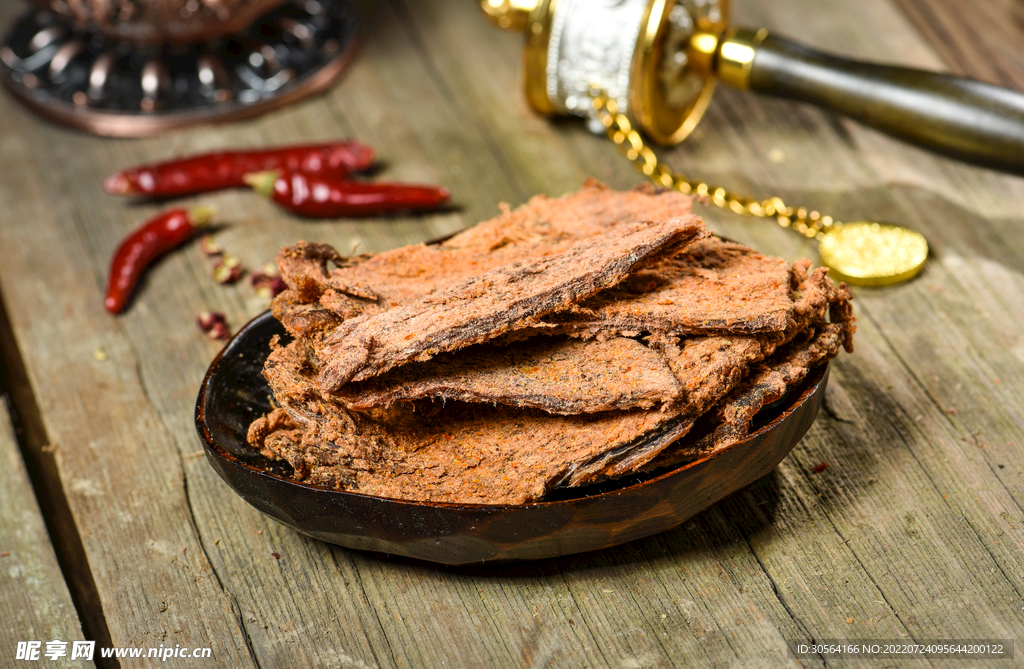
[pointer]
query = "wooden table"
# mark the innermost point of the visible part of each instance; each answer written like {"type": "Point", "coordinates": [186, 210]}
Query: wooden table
{"type": "Point", "coordinates": [114, 528]}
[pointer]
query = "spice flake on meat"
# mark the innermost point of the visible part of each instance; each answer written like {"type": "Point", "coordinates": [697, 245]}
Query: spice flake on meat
{"type": "Point", "coordinates": [507, 298]}
{"type": "Point", "coordinates": [561, 344]}
{"type": "Point", "coordinates": [711, 286]}
{"type": "Point", "coordinates": [558, 376]}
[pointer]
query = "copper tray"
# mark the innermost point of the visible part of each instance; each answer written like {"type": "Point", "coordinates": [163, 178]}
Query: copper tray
{"type": "Point", "coordinates": [234, 393]}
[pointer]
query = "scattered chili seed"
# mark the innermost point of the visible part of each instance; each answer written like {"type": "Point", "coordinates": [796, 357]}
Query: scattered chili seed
{"type": "Point", "coordinates": [225, 169]}
{"type": "Point", "coordinates": [228, 270]}
{"type": "Point", "coordinates": [138, 250]}
{"type": "Point", "coordinates": [322, 196]}
{"type": "Point", "coordinates": [820, 468]}
{"type": "Point", "coordinates": [214, 324]}
{"type": "Point", "coordinates": [267, 282]}
{"type": "Point", "coordinates": [210, 246]}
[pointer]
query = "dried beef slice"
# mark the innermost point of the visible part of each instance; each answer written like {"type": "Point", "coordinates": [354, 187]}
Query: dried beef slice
{"type": "Point", "coordinates": [506, 298]}
{"type": "Point", "coordinates": [566, 342]}
{"type": "Point", "coordinates": [712, 286]}
{"type": "Point", "coordinates": [560, 376]}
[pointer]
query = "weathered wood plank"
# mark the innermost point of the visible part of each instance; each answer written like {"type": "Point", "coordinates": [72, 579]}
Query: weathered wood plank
{"type": "Point", "coordinates": [903, 488]}
{"type": "Point", "coordinates": [913, 531]}
{"type": "Point", "coordinates": [35, 604]}
{"type": "Point", "coordinates": [978, 41]}
{"type": "Point", "coordinates": [162, 319]}
{"type": "Point", "coordinates": [118, 464]}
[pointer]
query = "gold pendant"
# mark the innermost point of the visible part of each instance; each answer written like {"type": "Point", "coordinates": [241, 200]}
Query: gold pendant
{"type": "Point", "coordinates": [654, 71]}
{"type": "Point", "coordinates": [865, 253]}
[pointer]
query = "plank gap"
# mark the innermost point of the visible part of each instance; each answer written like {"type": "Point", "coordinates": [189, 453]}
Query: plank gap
{"type": "Point", "coordinates": [41, 465]}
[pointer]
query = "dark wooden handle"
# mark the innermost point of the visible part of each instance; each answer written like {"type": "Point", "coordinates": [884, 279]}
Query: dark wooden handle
{"type": "Point", "coordinates": [958, 117]}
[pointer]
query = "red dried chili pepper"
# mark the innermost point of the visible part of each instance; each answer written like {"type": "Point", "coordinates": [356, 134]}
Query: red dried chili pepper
{"type": "Point", "coordinates": [320, 196]}
{"type": "Point", "coordinates": [153, 239]}
{"type": "Point", "coordinates": [225, 169]}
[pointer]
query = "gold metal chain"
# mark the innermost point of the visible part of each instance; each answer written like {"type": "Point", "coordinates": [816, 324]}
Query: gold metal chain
{"type": "Point", "coordinates": [810, 224]}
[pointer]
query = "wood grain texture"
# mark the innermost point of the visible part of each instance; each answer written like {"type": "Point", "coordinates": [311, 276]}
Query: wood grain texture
{"type": "Point", "coordinates": [35, 604]}
{"type": "Point", "coordinates": [978, 40]}
{"type": "Point", "coordinates": [915, 529]}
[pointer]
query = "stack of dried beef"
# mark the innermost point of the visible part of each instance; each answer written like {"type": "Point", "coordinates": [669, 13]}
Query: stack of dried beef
{"type": "Point", "coordinates": [566, 342]}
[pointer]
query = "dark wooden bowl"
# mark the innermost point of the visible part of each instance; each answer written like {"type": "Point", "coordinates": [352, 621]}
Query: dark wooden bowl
{"type": "Point", "coordinates": [234, 393]}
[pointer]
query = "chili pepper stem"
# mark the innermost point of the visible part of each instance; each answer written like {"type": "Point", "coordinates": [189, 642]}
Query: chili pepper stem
{"type": "Point", "coordinates": [261, 182]}
{"type": "Point", "coordinates": [117, 184]}
{"type": "Point", "coordinates": [201, 215]}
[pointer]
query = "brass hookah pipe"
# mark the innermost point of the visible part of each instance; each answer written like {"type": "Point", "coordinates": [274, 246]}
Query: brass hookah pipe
{"type": "Point", "coordinates": [651, 66]}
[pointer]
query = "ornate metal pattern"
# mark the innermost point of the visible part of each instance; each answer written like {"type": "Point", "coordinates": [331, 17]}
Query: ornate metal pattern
{"type": "Point", "coordinates": [592, 44]}
{"type": "Point", "coordinates": [118, 88]}
{"type": "Point", "coordinates": [159, 20]}
{"type": "Point", "coordinates": [682, 85]}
